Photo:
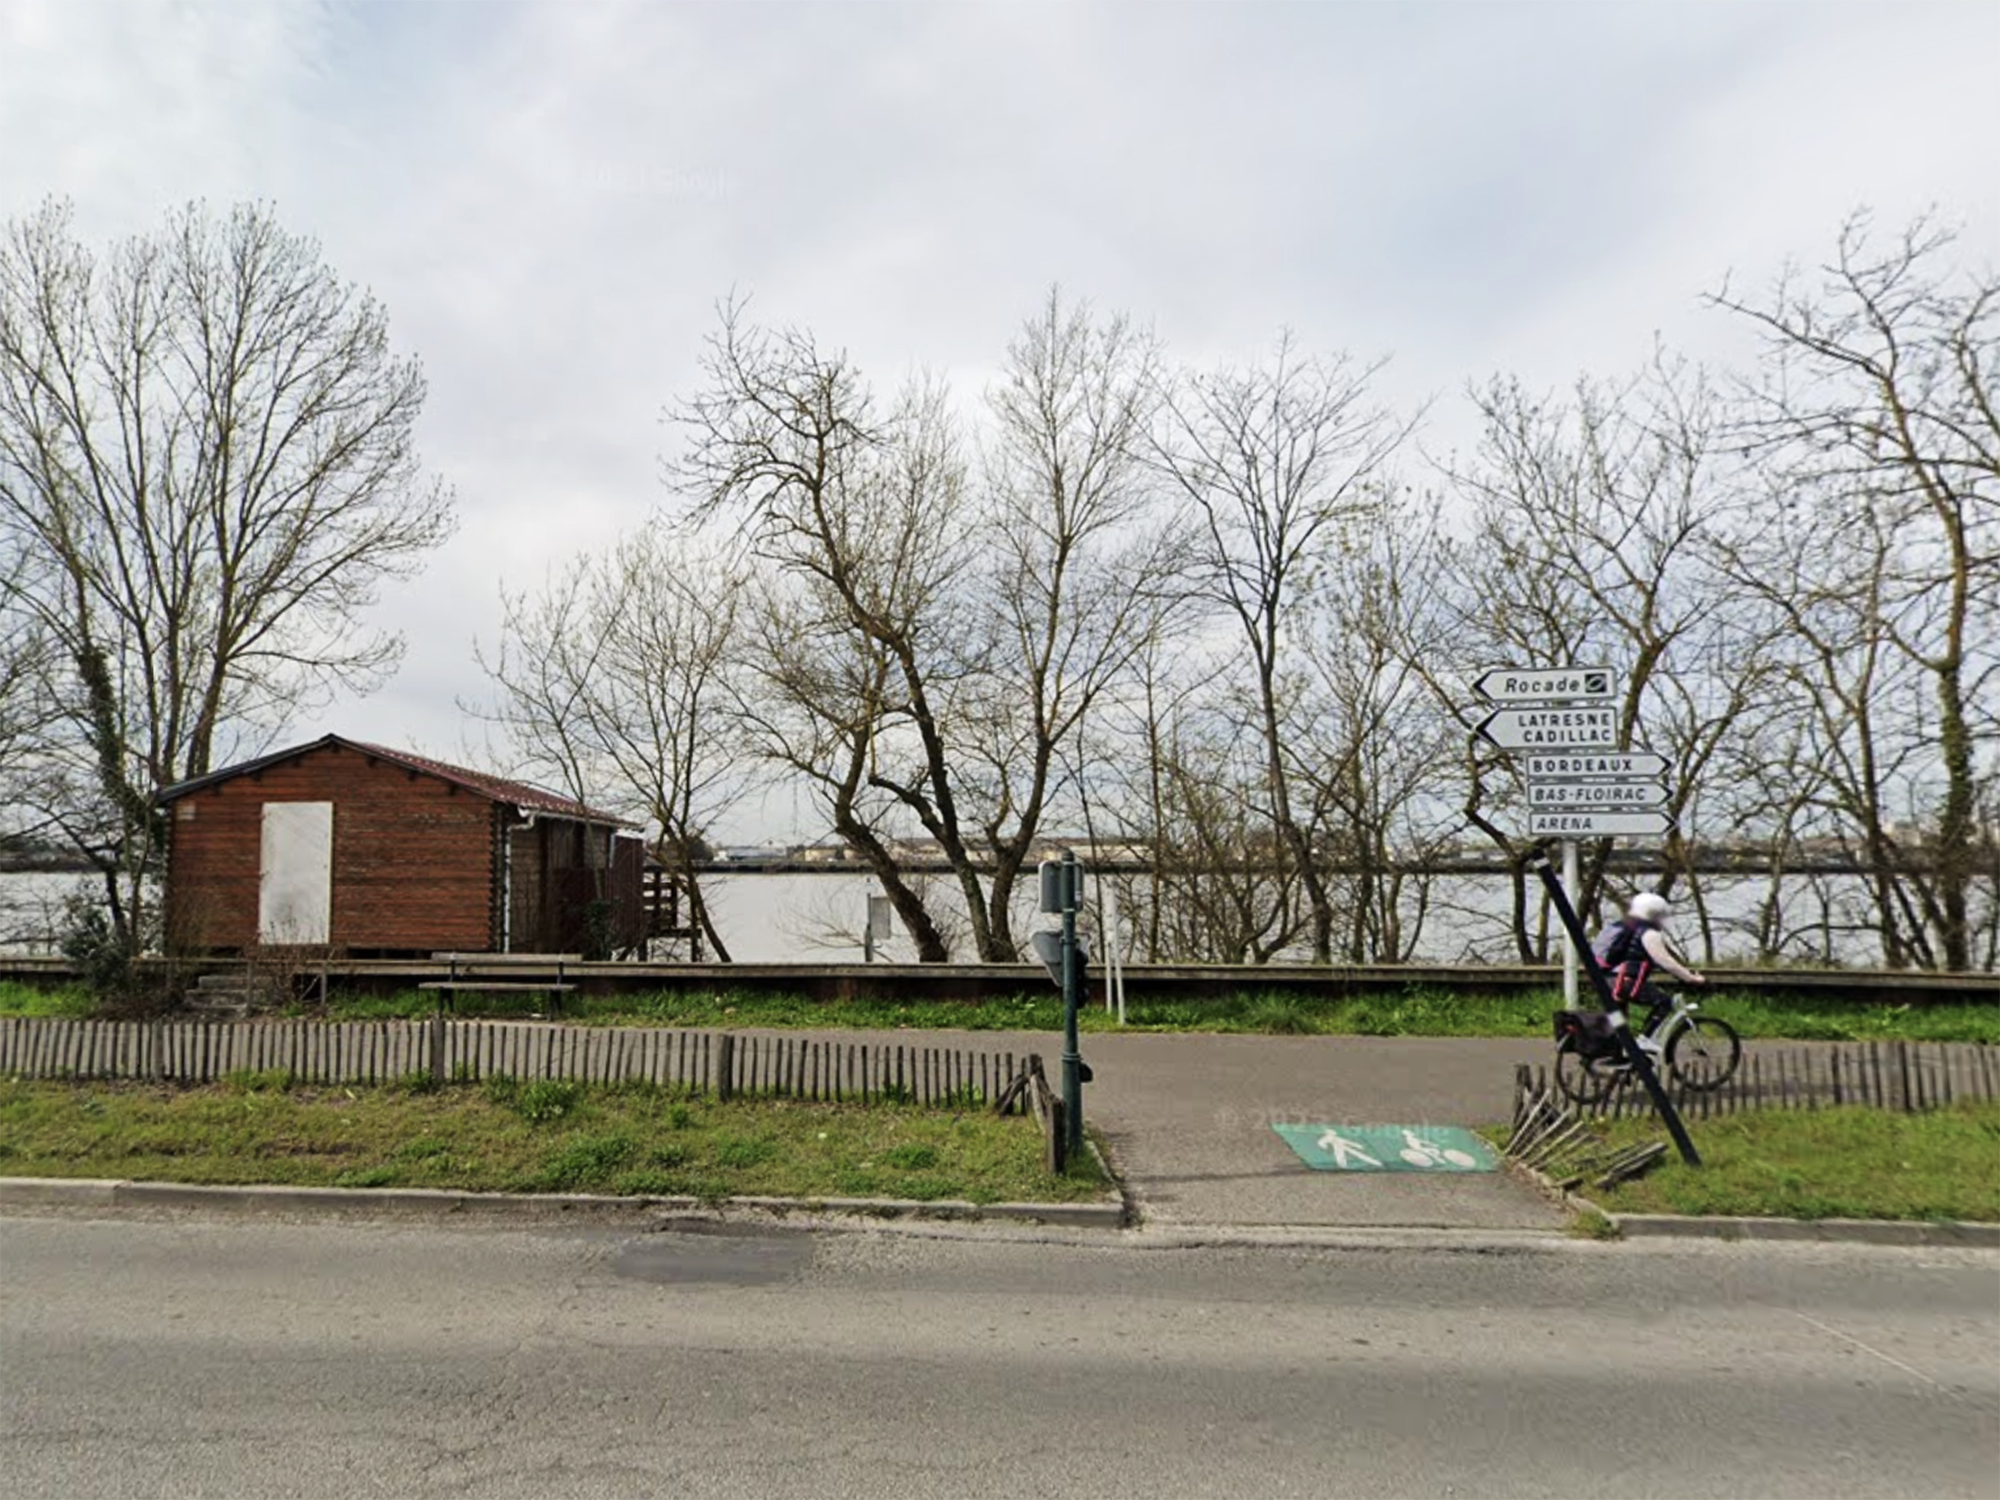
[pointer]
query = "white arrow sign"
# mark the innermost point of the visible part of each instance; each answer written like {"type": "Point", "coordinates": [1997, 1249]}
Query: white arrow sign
{"type": "Point", "coordinates": [1551, 728]}
{"type": "Point", "coordinates": [1342, 1148]}
{"type": "Point", "coordinates": [1619, 765]}
{"type": "Point", "coordinates": [1549, 795]}
{"type": "Point", "coordinates": [1535, 684]}
{"type": "Point", "coordinates": [1549, 823]}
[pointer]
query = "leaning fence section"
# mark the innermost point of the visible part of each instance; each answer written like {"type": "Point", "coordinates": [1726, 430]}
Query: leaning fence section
{"type": "Point", "coordinates": [724, 1064]}
{"type": "Point", "coordinates": [1906, 1077]}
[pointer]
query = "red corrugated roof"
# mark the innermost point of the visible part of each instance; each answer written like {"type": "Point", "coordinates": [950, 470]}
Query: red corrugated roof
{"type": "Point", "coordinates": [497, 788]}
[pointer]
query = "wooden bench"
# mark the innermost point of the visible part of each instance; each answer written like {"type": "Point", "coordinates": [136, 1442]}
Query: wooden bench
{"type": "Point", "coordinates": [502, 971]}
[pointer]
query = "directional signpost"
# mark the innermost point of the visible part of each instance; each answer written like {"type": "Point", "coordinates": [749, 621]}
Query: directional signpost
{"type": "Point", "coordinates": [1598, 824]}
{"type": "Point", "coordinates": [1539, 684]}
{"type": "Point", "coordinates": [1610, 765]}
{"type": "Point", "coordinates": [1551, 728]}
{"type": "Point", "coordinates": [1577, 796]}
{"type": "Point", "coordinates": [1563, 726]}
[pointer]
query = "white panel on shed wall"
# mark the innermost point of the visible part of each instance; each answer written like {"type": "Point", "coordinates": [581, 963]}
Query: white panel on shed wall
{"type": "Point", "coordinates": [295, 884]}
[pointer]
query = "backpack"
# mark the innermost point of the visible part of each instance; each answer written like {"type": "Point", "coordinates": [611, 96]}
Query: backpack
{"type": "Point", "coordinates": [1620, 950]}
{"type": "Point", "coordinates": [1620, 943]}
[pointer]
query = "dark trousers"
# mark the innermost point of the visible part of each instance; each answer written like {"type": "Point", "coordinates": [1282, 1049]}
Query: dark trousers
{"type": "Point", "coordinates": [1659, 1005]}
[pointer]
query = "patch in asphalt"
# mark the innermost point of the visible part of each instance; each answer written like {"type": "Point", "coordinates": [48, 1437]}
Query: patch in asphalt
{"type": "Point", "coordinates": [726, 1256]}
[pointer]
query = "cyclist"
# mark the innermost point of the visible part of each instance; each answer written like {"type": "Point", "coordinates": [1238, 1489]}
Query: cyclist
{"type": "Point", "coordinates": [1630, 949]}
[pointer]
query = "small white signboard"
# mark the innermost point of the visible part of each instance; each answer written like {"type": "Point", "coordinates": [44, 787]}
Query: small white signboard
{"type": "Point", "coordinates": [1551, 728]}
{"type": "Point", "coordinates": [1614, 765]}
{"type": "Point", "coordinates": [1595, 823]}
{"type": "Point", "coordinates": [1586, 794]}
{"type": "Point", "coordinates": [1540, 684]}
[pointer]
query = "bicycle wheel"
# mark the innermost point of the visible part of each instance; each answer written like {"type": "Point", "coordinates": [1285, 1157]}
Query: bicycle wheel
{"type": "Point", "coordinates": [1585, 1080]}
{"type": "Point", "coordinates": [1704, 1053]}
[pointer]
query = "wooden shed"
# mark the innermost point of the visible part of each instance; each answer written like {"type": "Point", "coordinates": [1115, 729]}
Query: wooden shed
{"type": "Point", "coordinates": [352, 848]}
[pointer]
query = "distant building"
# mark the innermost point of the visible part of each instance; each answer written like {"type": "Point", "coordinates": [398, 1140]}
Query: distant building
{"type": "Point", "coordinates": [367, 851]}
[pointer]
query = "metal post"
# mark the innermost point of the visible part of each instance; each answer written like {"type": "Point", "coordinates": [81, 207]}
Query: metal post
{"type": "Point", "coordinates": [1642, 1064]}
{"type": "Point", "coordinates": [1072, 1059]}
{"type": "Point", "coordinates": [1572, 887]}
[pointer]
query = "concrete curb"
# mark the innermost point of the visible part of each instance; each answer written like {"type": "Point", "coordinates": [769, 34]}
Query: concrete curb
{"type": "Point", "coordinates": [45, 1192]}
{"type": "Point", "coordinates": [1823, 1231]}
{"type": "Point", "coordinates": [947, 1217]}
{"type": "Point", "coordinates": [1790, 1231]}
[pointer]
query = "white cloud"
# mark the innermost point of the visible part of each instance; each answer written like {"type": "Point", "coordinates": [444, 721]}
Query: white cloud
{"type": "Point", "coordinates": [550, 198]}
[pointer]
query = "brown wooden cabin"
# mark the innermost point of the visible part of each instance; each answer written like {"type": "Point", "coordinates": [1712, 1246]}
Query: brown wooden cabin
{"type": "Point", "coordinates": [351, 848]}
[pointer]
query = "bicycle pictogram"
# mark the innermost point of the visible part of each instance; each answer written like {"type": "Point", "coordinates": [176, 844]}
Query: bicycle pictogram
{"type": "Point", "coordinates": [1419, 1152]}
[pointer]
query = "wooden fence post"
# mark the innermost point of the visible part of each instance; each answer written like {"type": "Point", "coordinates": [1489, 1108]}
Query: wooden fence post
{"type": "Point", "coordinates": [725, 1066]}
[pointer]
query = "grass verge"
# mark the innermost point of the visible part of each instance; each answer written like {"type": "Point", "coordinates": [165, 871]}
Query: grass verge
{"type": "Point", "coordinates": [504, 1136]}
{"type": "Point", "coordinates": [17, 999]}
{"type": "Point", "coordinates": [1826, 1164]}
{"type": "Point", "coordinates": [1415, 1012]}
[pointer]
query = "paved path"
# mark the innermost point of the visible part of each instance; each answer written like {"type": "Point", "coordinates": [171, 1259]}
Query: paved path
{"type": "Point", "coordinates": [1189, 1118]}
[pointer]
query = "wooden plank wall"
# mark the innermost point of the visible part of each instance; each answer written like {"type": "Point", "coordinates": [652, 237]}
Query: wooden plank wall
{"type": "Point", "coordinates": [412, 856]}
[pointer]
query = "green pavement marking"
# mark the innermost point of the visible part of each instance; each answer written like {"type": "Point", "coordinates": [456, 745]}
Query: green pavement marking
{"type": "Point", "coordinates": [1389, 1148]}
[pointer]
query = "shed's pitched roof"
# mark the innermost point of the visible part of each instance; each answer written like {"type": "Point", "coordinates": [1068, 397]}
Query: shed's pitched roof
{"type": "Point", "coordinates": [518, 794]}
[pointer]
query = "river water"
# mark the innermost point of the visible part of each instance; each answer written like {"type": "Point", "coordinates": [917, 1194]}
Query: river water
{"type": "Point", "coordinates": [818, 918]}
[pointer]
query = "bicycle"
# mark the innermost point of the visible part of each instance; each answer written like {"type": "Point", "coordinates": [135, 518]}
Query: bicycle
{"type": "Point", "coordinates": [1699, 1052]}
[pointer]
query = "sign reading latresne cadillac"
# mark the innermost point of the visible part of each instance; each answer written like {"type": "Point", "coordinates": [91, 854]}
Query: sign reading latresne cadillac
{"type": "Point", "coordinates": [1551, 728]}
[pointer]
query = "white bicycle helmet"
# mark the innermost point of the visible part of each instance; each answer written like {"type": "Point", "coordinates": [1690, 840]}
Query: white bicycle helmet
{"type": "Point", "coordinates": [1650, 906]}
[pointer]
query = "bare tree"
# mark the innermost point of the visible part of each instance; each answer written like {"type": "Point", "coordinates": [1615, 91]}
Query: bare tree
{"type": "Point", "coordinates": [1282, 463]}
{"type": "Point", "coordinates": [1595, 537]}
{"type": "Point", "coordinates": [1081, 562]}
{"type": "Point", "coordinates": [863, 513]}
{"type": "Point", "coordinates": [1878, 423]}
{"type": "Point", "coordinates": [1374, 751]}
{"type": "Point", "coordinates": [207, 456]}
{"type": "Point", "coordinates": [928, 656]}
{"type": "Point", "coordinates": [617, 680]}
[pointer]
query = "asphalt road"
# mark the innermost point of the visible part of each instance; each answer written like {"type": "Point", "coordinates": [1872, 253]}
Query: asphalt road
{"type": "Point", "coordinates": [217, 1357]}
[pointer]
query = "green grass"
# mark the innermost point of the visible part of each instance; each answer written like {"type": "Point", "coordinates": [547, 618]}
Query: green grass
{"type": "Point", "coordinates": [18, 999]}
{"type": "Point", "coordinates": [1416, 1011]}
{"type": "Point", "coordinates": [1826, 1164]}
{"type": "Point", "coordinates": [501, 1136]}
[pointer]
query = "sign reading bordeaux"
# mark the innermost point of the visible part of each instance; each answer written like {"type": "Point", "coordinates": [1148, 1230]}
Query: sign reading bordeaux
{"type": "Point", "coordinates": [1614, 765]}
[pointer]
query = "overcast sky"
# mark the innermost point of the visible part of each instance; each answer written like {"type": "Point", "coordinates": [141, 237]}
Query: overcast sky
{"type": "Point", "coordinates": [550, 199]}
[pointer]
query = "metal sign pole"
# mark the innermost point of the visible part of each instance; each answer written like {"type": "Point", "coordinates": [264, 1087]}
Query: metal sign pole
{"type": "Point", "coordinates": [1572, 886]}
{"type": "Point", "coordinates": [1073, 985]}
{"type": "Point", "coordinates": [1072, 976]}
{"type": "Point", "coordinates": [1636, 1055]}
